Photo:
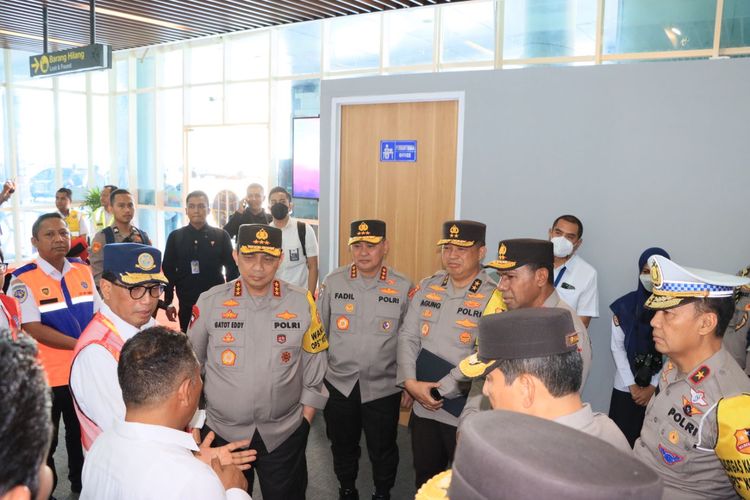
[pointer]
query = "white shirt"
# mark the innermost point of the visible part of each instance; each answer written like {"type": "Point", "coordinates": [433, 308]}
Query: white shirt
{"type": "Point", "coordinates": [29, 309]}
{"type": "Point", "coordinates": [293, 268]}
{"type": "Point", "coordinates": [624, 376]}
{"type": "Point", "coordinates": [93, 376]}
{"type": "Point", "coordinates": [577, 286]}
{"type": "Point", "coordinates": [142, 461]}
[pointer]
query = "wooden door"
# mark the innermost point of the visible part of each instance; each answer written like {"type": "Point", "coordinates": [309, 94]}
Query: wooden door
{"type": "Point", "coordinates": [412, 198]}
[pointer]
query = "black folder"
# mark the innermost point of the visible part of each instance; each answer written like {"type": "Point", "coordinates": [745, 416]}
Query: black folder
{"type": "Point", "coordinates": [431, 368]}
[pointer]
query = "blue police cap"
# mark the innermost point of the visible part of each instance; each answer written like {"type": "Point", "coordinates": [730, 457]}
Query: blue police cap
{"type": "Point", "coordinates": [133, 264]}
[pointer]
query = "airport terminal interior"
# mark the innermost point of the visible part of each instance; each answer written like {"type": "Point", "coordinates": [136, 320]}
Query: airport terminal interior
{"type": "Point", "coordinates": [214, 95]}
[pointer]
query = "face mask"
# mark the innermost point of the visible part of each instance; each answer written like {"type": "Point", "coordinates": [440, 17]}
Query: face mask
{"type": "Point", "coordinates": [646, 281]}
{"type": "Point", "coordinates": [561, 246]}
{"type": "Point", "coordinates": [279, 211]}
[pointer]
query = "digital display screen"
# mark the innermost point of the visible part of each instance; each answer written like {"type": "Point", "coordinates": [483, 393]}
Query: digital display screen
{"type": "Point", "coordinates": [306, 158]}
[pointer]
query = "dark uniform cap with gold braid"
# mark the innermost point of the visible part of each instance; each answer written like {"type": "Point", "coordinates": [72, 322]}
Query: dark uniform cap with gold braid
{"type": "Point", "coordinates": [259, 238]}
{"type": "Point", "coordinates": [133, 264]}
{"type": "Point", "coordinates": [673, 283]}
{"type": "Point", "coordinates": [367, 230]}
{"type": "Point", "coordinates": [532, 332]}
{"type": "Point", "coordinates": [463, 233]}
{"type": "Point", "coordinates": [512, 254]}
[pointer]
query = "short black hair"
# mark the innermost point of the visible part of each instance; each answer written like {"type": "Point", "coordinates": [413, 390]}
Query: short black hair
{"type": "Point", "coordinates": [196, 194]}
{"type": "Point", "coordinates": [67, 192]}
{"type": "Point", "coordinates": [279, 189]}
{"type": "Point", "coordinates": [573, 220]}
{"type": "Point", "coordinates": [109, 186]}
{"type": "Point", "coordinates": [254, 185]}
{"type": "Point", "coordinates": [550, 272]}
{"type": "Point", "coordinates": [25, 423]}
{"type": "Point", "coordinates": [561, 374]}
{"type": "Point", "coordinates": [37, 223]}
{"type": "Point", "coordinates": [153, 363]}
{"type": "Point", "coordinates": [115, 192]}
{"type": "Point", "coordinates": [723, 307]}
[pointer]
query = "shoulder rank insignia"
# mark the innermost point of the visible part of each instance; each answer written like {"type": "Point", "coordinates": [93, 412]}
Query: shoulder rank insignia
{"type": "Point", "coordinates": [475, 286]}
{"type": "Point", "coordinates": [276, 288]}
{"type": "Point", "coordinates": [742, 322]}
{"type": "Point", "coordinates": [445, 281]}
{"type": "Point", "coordinates": [700, 374]}
{"type": "Point", "coordinates": [238, 288]}
{"type": "Point", "coordinates": [353, 271]}
{"type": "Point", "coordinates": [383, 273]}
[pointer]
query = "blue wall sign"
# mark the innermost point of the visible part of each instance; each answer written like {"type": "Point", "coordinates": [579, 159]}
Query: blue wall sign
{"type": "Point", "coordinates": [391, 151]}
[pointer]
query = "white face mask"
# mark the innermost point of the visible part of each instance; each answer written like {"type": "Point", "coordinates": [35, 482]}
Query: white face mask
{"type": "Point", "coordinates": [646, 281]}
{"type": "Point", "coordinates": [561, 246]}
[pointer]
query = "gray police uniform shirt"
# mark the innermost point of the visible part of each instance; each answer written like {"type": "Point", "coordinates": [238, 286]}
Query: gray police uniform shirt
{"type": "Point", "coordinates": [362, 317]}
{"type": "Point", "coordinates": [735, 336]}
{"type": "Point", "coordinates": [263, 358]}
{"type": "Point", "coordinates": [444, 321]}
{"type": "Point", "coordinates": [477, 401]}
{"type": "Point", "coordinates": [679, 416]}
{"type": "Point", "coordinates": [598, 425]}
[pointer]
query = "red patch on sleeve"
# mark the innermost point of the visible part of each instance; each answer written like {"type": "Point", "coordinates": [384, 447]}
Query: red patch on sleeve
{"type": "Point", "coordinates": [413, 291]}
{"type": "Point", "coordinates": [194, 316]}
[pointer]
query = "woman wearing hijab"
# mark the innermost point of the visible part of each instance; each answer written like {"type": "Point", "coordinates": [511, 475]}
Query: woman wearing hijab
{"type": "Point", "coordinates": [638, 362]}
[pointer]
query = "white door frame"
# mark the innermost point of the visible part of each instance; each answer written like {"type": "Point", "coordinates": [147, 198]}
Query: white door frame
{"type": "Point", "coordinates": [335, 178]}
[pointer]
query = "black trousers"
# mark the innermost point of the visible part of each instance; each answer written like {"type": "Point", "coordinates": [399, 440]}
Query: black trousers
{"type": "Point", "coordinates": [283, 472]}
{"type": "Point", "coordinates": [62, 405]}
{"type": "Point", "coordinates": [346, 418]}
{"type": "Point", "coordinates": [432, 444]}
{"type": "Point", "coordinates": [185, 312]}
{"type": "Point", "coordinates": [627, 414]}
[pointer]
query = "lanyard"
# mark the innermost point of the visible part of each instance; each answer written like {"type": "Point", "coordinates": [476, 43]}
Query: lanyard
{"type": "Point", "coordinates": [560, 275]}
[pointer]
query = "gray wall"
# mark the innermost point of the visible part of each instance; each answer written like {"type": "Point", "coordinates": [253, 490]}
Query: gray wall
{"type": "Point", "coordinates": [650, 154]}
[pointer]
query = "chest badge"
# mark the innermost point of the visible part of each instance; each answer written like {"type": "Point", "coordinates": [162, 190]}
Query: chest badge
{"type": "Point", "coordinates": [425, 329]}
{"type": "Point", "coordinates": [286, 315]}
{"type": "Point", "coordinates": [689, 408]}
{"type": "Point", "coordinates": [342, 323]}
{"type": "Point", "coordinates": [386, 326]}
{"type": "Point", "coordinates": [434, 296]}
{"type": "Point", "coordinates": [286, 356]}
{"type": "Point", "coordinates": [669, 457]}
{"type": "Point", "coordinates": [228, 357]}
{"type": "Point", "coordinates": [466, 323]}
{"type": "Point", "coordinates": [472, 304]}
{"type": "Point", "coordinates": [743, 440]}
{"type": "Point", "coordinates": [465, 337]}
{"type": "Point", "coordinates": [349, 308]}
{"type": "Point", "coordinates": [45, 291]}
{"type": "Point", "coordinates": [674, 437]}
{"type": "Point", "coordinates": [229, 314]}
{"type": "Point", "coordinates": [427, 313]}
{"type": "Point", "coordinates": [228, 338]}
{"type": "Point", "coordinates": [281, 339]}
{"type": "Point", "coordinates": [230, 303]}
{"type": "Point", "coordinates": [389, 291]}
{"type": "Point", "coordinates": [696, 397]}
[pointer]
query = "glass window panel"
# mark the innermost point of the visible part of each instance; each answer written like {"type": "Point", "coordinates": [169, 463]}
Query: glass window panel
{"type": "Point", "coordinates": [468, 32]}
{"type": "Point", "coordinates": [145, 149]}
{"type": "Point", "coordinates": [146, 221]}
{"type": "Point", "coordinates": [35, 138]}
{"type": "Point", "coordinates": [353, 42]}
{"type": "Point", "coordinates": [121, 73]}
{"type": "Point", "coordinates": [170, 220]}
{"type": "Point", "coordinates": [2, 65]}
{"type": "Point", "coordinates": [204, 105]}
{"type": "Point", "coordinates": [247, 56]}
{"type": "Point", "coordinates": [76, 81]}
{"type": "Point", "coordinates": [205, 64]}
{"type": "Point", "coordinates": [169, 138]}
{"type": "Point", "coordinates": [549, 28]}
{"type": "Point", "coordinates": [247, 102]}
{"type": "Point", "coordinates": [409, 35]}
{"type": "Point", "coordinates": [297, 49]}
{"type": "Point", "coordinates": [100, 81]}
{"type": "Point", "coordinates": [4, 164]}
{"type": "Point", "coordinates": [144, 72]}
{"type": "Point", "coordinates": [667, 25]}
{"type": "Point", "coordinates": [100, 139]}
{"type": "Point", "coordinates": [27, 218]}
{"type": "Point", "coordinates": [735, 24]}
{"type": "Point", "coordinates": [19, 65]}
{"type": "Point", "coordinates": [73, 149]}
{"type": "Point", "coordinates": [122, 147]}
{"type": "Point", "coordinates": [7, 238]}
{"type": "Point", "coordinates": [170, 68]}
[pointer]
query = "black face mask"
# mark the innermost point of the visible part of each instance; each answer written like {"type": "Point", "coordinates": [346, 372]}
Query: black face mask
{"type": "Point", "coordinates": [279, 211]}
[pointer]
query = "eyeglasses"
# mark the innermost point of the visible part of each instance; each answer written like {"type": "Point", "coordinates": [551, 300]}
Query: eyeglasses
{"type": "Point", "coordinates": [137, 292]}
{"type": "Point", "coordinates": [3, 267]}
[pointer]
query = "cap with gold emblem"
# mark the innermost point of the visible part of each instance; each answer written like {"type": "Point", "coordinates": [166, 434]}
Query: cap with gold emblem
{"type": "Point", "coordinates": [532, 332]}
{"type": "Point", "coordinates": [259, 238]}
{"type": "Point", "coordinates": [133, 263]}
{"type": "Point", "coordinates": [673, 284]}
{"type": "Point", "coordinates": [367, 230]}
{"type": "Point", "coordinates": [512, 254]}
{"type": "Point", "coordinates": [463, 233]}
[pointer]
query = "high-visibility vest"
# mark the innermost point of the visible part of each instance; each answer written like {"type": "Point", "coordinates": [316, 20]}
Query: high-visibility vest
{"type": "Point", "coordinates": [733, 441]}
{"type": "Point", "coordinates": [100, 331]}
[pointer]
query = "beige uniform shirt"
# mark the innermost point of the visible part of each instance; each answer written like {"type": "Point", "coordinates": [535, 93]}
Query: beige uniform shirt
{"type": "Point", "coordinates": [598, 425]}
{"type": "Point", "coordinates": [735, 336]}
{"type": "Point", "coordinates": [444, 321]}
{"type": "Point", "coordinates": [263, 358]}
{"type": "Point", "coordinates": [678, 417]}
{"type": "Point", "coordinates": [96, 255]}
{"type": "Point", "coordinates": [362, 317]}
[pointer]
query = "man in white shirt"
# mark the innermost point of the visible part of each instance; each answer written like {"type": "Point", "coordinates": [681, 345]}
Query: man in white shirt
{"type": "Point", "coordinates": [300, 263]}
{"type": "Point", "coordinates": [149, 454]}
{"type": "Point", "coordinates": [574, 279]}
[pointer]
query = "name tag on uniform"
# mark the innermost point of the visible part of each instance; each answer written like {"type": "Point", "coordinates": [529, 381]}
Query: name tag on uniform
{"type": "Point", "coordinates": [195, 267]}
{"type": "Point", "coordinates": [294, 254]}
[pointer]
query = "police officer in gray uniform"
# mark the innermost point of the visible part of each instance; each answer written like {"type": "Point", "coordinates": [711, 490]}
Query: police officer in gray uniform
{"type": "Point", "coordinates": [442, 323]}
{"type": "Point", "coordinates": [263, 353]}
{"type": "Point", "coordinates": [736, 340]}
{"type": "Point", "coordinates": [361, 306]}
{"type": "Point", "coordinates": [679, 438]}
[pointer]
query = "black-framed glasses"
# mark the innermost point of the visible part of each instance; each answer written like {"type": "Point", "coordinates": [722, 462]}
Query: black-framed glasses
{"type": "Point", "coordinates": [137, 292]}
{"type": "Point", "coordinates": [3, 267]}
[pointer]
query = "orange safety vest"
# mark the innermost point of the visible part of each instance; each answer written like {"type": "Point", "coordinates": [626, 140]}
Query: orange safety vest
{"type": "Point", "coordinates": [66, 305]}
{"type": "Point", "coordinates": [103, 332]}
